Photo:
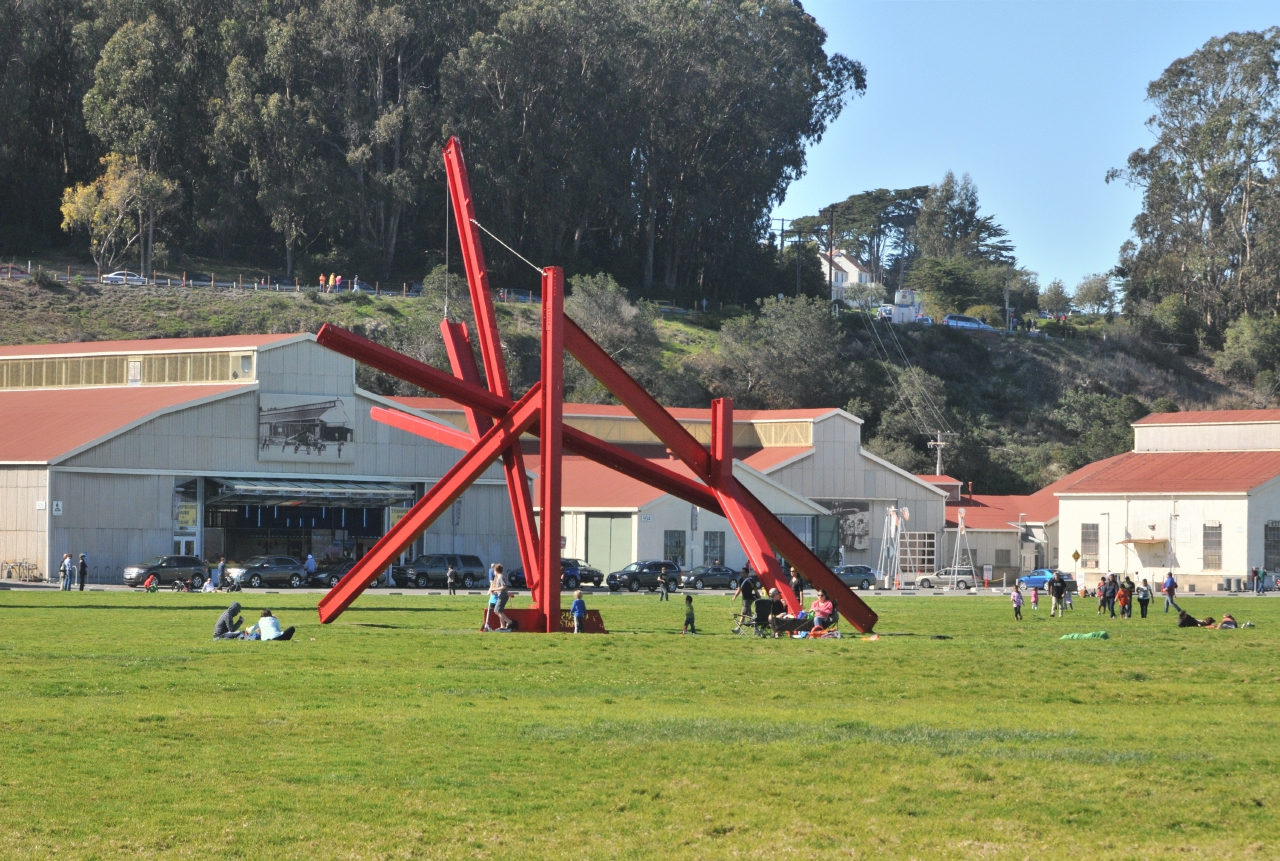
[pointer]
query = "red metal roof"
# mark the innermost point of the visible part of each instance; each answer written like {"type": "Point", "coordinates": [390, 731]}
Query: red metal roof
{"type": "Point", "coordinates": [1181, 472]}
{"type": "Point", "coordinates": [988, 512]}
{"type": "Point", "coordinates": [42, 425]}
{"type": "Point", "coordinates": [619, 411]}
{"type": "Point", "coordinates": [1206, 417]}
{"type": "Point", "coordinates": [938, 479]}
{"type": "Point", "coordinates": [157, 345]}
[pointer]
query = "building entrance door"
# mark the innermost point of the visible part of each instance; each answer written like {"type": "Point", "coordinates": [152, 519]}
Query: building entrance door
{"type": "Point", "coordinates": [184, 545]}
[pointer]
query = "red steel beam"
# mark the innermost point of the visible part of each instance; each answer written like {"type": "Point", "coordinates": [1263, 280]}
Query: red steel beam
{"type": "Point", "coordinates": [551, 448]}
{"type": "Point", "coordinates": [443, 494]}
{"type": "Point", "coordinates": [633, 396]}
{"type": "Point", "coordinates": [464, 213]}
{"type": "Point", "coordinates": [410, 370]}
{"type": "Point", "coordinates": [434, 431]}
{"type": "Point", "coordinates": [463, 362]}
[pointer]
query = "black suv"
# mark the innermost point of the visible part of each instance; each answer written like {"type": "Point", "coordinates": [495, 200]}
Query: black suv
{"type": "Point", "coordinates": [168, 569]}
{"type": "Point", "coordinates": [572, 575]}
{"type": "Point", "coordinates": [431, 568]}
{"type": "Point", "coordinates": [644, 574]}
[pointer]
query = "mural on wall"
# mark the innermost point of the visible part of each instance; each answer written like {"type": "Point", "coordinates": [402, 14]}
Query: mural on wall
{"type": "Point", "coordinates": [855, 522]}
{"type": "Point", "coordinates": [304, 429]}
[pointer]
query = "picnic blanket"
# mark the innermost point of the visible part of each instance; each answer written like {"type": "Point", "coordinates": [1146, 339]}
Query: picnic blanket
{"type": "Point", "coordinates": [1092, 635]}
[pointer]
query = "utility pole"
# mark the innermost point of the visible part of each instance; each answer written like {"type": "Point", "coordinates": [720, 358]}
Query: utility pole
{"type": "Point", "coordinates": [831, 249]}
{"type": "Point", "coordinates": [1008, 318]}
{"type": "Point", "coordinates": [938, 445]}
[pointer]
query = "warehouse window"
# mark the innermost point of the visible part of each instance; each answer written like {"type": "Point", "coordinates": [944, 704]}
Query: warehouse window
{"type": "Point", "coordinates": [69, 371]}
{"type": "Point", "coordinates": [1271, 546]}
{"type": "Point", "coordinates": [1213, 546]}
{"type": "Point", "coordinates": [673, 546]}
{"type": "Point", "coordinates": [712, 547]}
{"type": "Point", "coordinates": [1003, 557]}
{"type": "Point", "coordinates": [1089, 545]}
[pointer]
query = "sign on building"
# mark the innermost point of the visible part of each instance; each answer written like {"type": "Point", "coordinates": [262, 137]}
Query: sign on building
{"type": "Point", "coordinates": [304, 429]}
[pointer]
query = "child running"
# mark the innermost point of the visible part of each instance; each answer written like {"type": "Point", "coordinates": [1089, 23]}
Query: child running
{"type": "Point", "coordinates": [688, 616]}
{"type": "Point", "coordinates": [579, 612]}
{"type": "Point", "coordinates": [1035, 598]}
{"type": "Point", "coordinates": [1016, 598]}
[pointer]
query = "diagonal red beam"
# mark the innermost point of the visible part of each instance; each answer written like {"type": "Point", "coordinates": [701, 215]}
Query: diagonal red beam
{"type": "Point", "coordinates": [411, 370]}
{"type": "Point", "coordinates": [633, 396]}
{"type": "Point", "coordinates": [442, 494]}
{"type": "Point", "coordinates": [434, 431]}
{"type": "Point", "coordinates": [464, 213]}
{"type": "Point", "coordinates": [463, 362]}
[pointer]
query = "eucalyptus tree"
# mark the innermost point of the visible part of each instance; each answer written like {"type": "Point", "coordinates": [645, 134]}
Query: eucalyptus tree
{"type": "Point", "coordinates": [1208, 229]}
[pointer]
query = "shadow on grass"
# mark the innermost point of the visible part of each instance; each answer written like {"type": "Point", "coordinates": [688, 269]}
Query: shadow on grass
{"type": "Point", "coordinates": [202, 608]}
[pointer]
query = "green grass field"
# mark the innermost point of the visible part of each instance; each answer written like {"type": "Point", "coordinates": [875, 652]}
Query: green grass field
{"type": "Point", "coordinates": [401, 732]}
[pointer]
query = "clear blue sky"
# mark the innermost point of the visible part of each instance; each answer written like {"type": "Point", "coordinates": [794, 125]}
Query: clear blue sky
{"type": "Point", "coordinates": [1035, 100]}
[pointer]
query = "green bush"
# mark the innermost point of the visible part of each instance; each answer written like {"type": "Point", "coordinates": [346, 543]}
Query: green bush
{"type": "Point", "coordinates": [1252, 345]}
{"type": "Point", "coordinates": [1174, 322]}
{"type": "Point", "coordinates": [989, 314]}
{"type": "Point", "coordinates": [45, 280]}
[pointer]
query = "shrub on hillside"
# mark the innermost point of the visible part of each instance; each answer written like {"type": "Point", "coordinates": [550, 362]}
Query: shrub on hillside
{"type": "Point", "coordinates": [1252, 345]}
{"type": "Point", "coordinates": [1174, 322]}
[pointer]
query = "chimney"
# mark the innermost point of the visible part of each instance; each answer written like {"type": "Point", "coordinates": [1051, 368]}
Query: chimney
{"type": "Point", "coordinates": [971, 489]}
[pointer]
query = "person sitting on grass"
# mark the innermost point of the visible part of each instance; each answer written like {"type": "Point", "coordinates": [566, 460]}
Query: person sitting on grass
{"type": "Point", "coordinates": [824, 611]}
{"type": "Point", "coordinates": [1228, 621]}
{"type": "Point", "coordinates": [1186, 620]}
{"type": "Point", "coordinates": [228, 626]}
{"type": "Point", "coordinates": [268, 628]}
{"type": "Point", "coordinates": [152, 583]}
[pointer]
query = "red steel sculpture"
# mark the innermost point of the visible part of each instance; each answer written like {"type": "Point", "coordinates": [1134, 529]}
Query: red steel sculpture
{"type": "Point", "coordinates": [496, 421]}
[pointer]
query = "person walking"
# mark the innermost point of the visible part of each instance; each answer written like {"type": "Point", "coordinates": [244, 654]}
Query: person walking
{"type": "Point", "coordinates": [689, 627]}
{"type": "Point", "coordinates": [499, 589]}
{"type": "Point", "coordinates": [84, 571]}
{"type": "Point", "coordinates": [451, 580]}
{"type": "Point", "coordinates": [1170, 590]}
{"type": "Point", "coordinates": [748, 592]}
{"type": "Point", "coordinates": [1127, 589]}
{"type": "Point", "coordinates": [1110, 590]}
{"type": "Point", "coordinates": [1057, 593]}
{"type": "Point", "coordinates": [1259, 581]}
{"type": "Point", "coordinates": [1102, 595]}
{"type": "Point", "coordinates": [1016, 598]}
{"type": "Point", "coordinates": [68, 569]}
{"type": "Point", "coordinates": [1143, 594]}
{"type": "Point", "coordinates": [1035, 598]}
{"type": "Point", "coordinates": [663, 594]}
{"type": "Point", "coordinates": [578, 610]}
{"type": "Point", "coordinates": [220, 573]}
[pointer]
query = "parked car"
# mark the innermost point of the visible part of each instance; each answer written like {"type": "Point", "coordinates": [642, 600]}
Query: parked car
{"type": "Point", "coordinates": [1036, 579]}
{"type": "Point", "coordinates": [962, 578]}
{"type": "Point", "coordinates": [711, 577]}
{"type": "Point", "coordinates": [123, 276]}
{"type": "Point", "coordinates": [168, 569]}
{"type": "Point", "coordinates": [960, 321]}
{"type": "Point", "coordinates": [329, 575]}
{"type": "Point", "coordinates": [584, 572]}
{"type": "Point", "coordinates": [259, 571]}
{"type": "Point", "coordinates": [858, 576]}
{"type": "Point", "coordinates": [924, 320]}
{"type": "Point", "coordinates": [572, 575]}
{"type": "Point", "coordinates": [433, 568]}
{"type": "Point", "coordinates": [643, 574]}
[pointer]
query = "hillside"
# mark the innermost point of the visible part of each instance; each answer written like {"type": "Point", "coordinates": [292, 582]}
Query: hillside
{"type": "Point", "coordinates": [1023, 410]}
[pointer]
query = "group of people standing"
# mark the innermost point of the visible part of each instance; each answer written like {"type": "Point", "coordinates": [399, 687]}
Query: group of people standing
{"type": "Point", "coordinates": [70, 570]}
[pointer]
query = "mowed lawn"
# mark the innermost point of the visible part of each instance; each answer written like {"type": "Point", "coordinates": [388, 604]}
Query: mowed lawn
{"type": "Point", "coordinates": [401, 732]}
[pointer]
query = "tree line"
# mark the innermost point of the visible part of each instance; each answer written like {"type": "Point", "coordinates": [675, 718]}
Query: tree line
{"type": "Point", "coordinates": [648, 139]}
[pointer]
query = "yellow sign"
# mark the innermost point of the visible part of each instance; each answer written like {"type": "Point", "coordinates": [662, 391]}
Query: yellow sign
{"type": "Point", "coordinates": [395, 513]}
{"type": "Point", "coordinates": [187, 515]}
{"type": "Point", "coordinates": [1075, 554]}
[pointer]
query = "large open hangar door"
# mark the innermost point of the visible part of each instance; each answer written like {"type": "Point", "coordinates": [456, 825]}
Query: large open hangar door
{"type": "Point", "coordinates": [330, 520]}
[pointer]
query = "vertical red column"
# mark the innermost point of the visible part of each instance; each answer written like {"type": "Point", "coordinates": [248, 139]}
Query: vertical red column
{"type": "Point", "coordinates": [552, 413]}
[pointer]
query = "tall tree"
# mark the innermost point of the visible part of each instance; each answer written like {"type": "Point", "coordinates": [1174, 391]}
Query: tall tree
{"type": "Point", "coordinates": [949, 225]}
{"type": "Point", "coordinates": [1209, 229]}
